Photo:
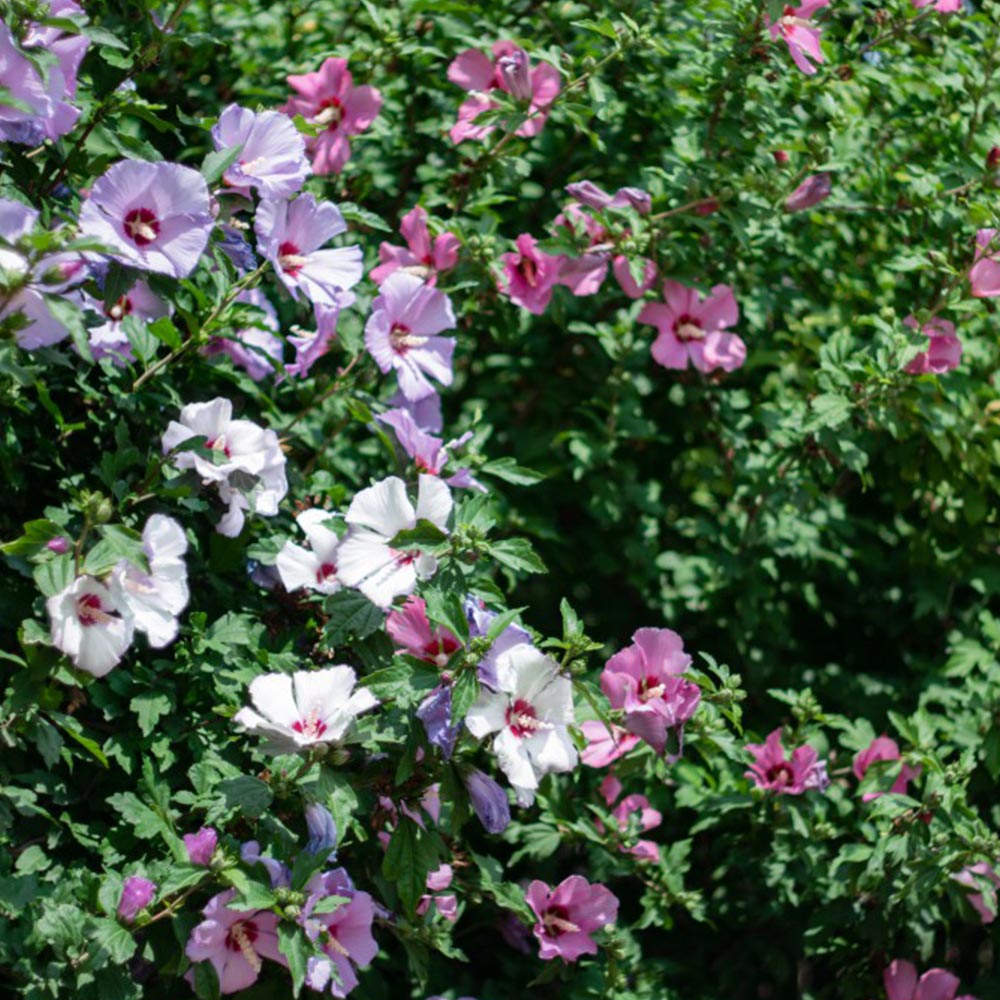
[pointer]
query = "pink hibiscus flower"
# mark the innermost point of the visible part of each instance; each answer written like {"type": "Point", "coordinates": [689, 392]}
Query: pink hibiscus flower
{"type": "Point", "coordinates": [644, 681]}
{"type": "Point", "coordinates": [329, 99]}
{"type": "Point", "coordinates": [985, 272]}
{"type": "Point", "coordinates": [402, 334]}
{"type": "Point", "coordinates": [568, 915]}
{"type": "Point", "coordinates": [801, 35]}
{"type": "Point", "coordinates": [944, 351]}
{"type": "Point", "coordinates": [774, 772]}
{"type": "Point", "coordinates": [235, 942]}
{"type": "Point", "coordinates": [882, 748]}
{"type": "Point", "coordinates": [510, 71]}
{"type": "Point", "coordinates": [901, 983]}
{"type": "Point", "coordinates": [941, 6]}
{"type": "Point", "coordinates": [972, 877]}
{"type": "Point", "coordinates": [604, 747]}
{"type": "Point", "coordinates": [410, 629]}
{"type": "Point", "coordinates": [646, 818]}
{"type": "Point", "coordinates": [420, 256]}
{"type": "Point", "coordinates": [529, 275]}
{"type": "Point", "coordinates": [693, 330]}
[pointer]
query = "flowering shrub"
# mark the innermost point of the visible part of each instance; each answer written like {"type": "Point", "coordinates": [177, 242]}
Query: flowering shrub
{"type": "Point", "coordinates": [395, 604]}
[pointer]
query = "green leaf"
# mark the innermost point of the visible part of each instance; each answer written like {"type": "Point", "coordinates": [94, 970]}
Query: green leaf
{"type": "Point", "coordinates": [117, 543]}
{"type": "Point", "coordinates": [55, 575]}
{"type": "Point", "coordinates": [447, 610]}
{"type": "Point", "coordinates": [500, 623]}
{"type": "Point", "coordinates": [253, 896]}
{"type": "Point", "coordinates": [296, 947]}
{"type": "Point", "coordinates": [424, 533]}
{"type": "Point", "coordinates": [362, 217]}
{"type": "Point", "coordinates": [218, 162]}
{"type": "Point", "coordinates": [510, 472]}
{"type": "Point", "coordinates": [829, 409]}
{"type": "Point", "coordinates": [517, 554]}
{"type": "Point", "coordinates": [351, 614]}
{"type": "Point", "coordinates": [150, 707]}
{"type": "Point", "coordinates": [464, 693]}
{"type": "Point", "coordinates": [111, 940]}
{"type": "Point", "coordinates": [36, 535]}
{"type": "Point", "coordinates": [250, 795]}
{"type": "Point", "coordinates": [411, 854]}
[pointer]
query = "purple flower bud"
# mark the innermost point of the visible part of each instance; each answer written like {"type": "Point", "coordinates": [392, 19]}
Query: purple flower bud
{"type": "Point", "coordinates": [279, 873]}
{"type": "Point", "coordinates": [514, 75]}
{"type": "Point", "coordinates": [59, 544]}
{"type": "Point", "coordinates": [435, 713]}
{"type": "Point", "coordinates": [322, 831]}
{"type": "Point", "coordinates": [137, 894]}
{"type": "Point", "coordinates": [489, 800]}
{"type": "Point", "coordinates": [589, 194]}
{"type": "Point", "coordinates": [810, 192]}
{"type": "Point", "coordinates": [201, 846]}
{"type": "Point", "coordinates": [640, 200]}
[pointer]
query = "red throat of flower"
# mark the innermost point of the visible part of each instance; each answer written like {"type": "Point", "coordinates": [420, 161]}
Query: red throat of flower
{"type": "Point", "coordinates": [399, 338]}
{"type": "Point", "coordinates": [556, 922]}
{"type": "Point", "coordinates": [650, 688]}
{"type": "Point", "coordinates": [528, 270]}
{"type": "Point", "coordinates": [240, 939]}
{"type": "Point", "coordinates": [687, 328]}
{"type": "Point", "coordinates": [290, 259]}
{"type": "Point", "coordinates": [312, 727]}
{"type": "Point", "coordinates": [326, 572]}
{"type": "Point", "coordinates": [440, 649]}
{"type": "Point", "coordinates": [522, 719]}
{"type": "Point", "coordinates": [119, 310]}
{"type": "Point", "coordinates": [89, 610]}
{"type": "Point", "coordinates": [781, 775]}
{"type": "Point", "coordinates": [330, 114]}
{"type": "Point", "coordinates": [142, 226]}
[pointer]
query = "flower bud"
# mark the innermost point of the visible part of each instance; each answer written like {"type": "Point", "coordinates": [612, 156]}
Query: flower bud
{"type": "Point", "coordinates": [811, 191]}
{"type": "Point", "coordinates": [488, 799]}
{"type": "Point", "coordinates": [322, 831]}
{"type": "Point", "coordinates": [201, 846]}
{"type": "Point", "coordinates": [137, 894]}
{"type": "Point", "coordinates": [993, 158]}
{"type": "Point", "coordinates": [59, 544]}
{"type": "Point", "coordinates": [780, 156]}
{"type": "Point", "coordinates": [514, 75]}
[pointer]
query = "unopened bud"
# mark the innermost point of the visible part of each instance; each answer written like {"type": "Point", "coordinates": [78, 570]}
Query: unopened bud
{"type": "Point", "coordinates": [780, 156]}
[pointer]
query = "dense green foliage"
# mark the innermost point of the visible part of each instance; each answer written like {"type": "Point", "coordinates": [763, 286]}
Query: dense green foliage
{"type": "Point", "coordinates": [819, 520]}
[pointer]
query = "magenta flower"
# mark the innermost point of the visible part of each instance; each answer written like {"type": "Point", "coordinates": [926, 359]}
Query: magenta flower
{"type": "Point", "coordinates": [589, 194]}
{"type": "Point", "coordinates": [310, 346]}
{"type": "Point", "coordinates": [801, 35]}
{"type": "Point", "coordinates": [604, 747]}
{"type": "Point", "coordinates": [44, 115]}
{"type": "Point", "coordinates": [402, 334]}
{"type": "Point", "coordinates": [345, 935]}
{"type": "Point", "coordinates": [420, 256]}
{"type": "Point", "coordinates": [985, 273]}
{"type": "Point", "coordinates": [256, 348]}
{"type": "Point", "coordinates": [529, 275]}
{"type": "Point", "coordinates": [568, 915]}
{"type": "Point", "coordinates": [152, 216]}
{"type": "Point", "coordinates": [428, 452]}
{"type": "Point", "coordinates": [901, 983]}
{"type": "Point", "coordinates": [510, 71]}
{"type": "Point", "coordinates": [972, 877]}
{"type": "Point", "coordinates": [235, 942]}
{"type": "Point", "coordinates": [944, 352]}
{"type": "Point", "coordinates": [693, 330]}
{"type": "Point", "coordinates": [446, 904]}
{"type": "Point", "coordinates": [814, 189]}
{"type": "Point", "coordinates": [109, 340]}
{"type": "Point", "coordinates": [644, 681]}
{"type": "Point", "coordinates": [69, 48]}
{"type": "Point", "coordinates": [137, 894]}
{"type": "Point", "coordinates": [329, 99]}
{"type": "Point", "coordinates": [645, 818]}
{"type": "Point", "coordinates": [941, 6]}
{"type": "Point", "coordinates": [409, 628]}
{"type": "Point", "coordinates": [201, 846]}
{"type": "Point", "coordinates": [290, 235]}
{"type": "Point", "coordinates": [883, 748]}
{"type": "Point", "coordinates": [774, 772]}
{"type": "Point", "coordinates": [273, 154]}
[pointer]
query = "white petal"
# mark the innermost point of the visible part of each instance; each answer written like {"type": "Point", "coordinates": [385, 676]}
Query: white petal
{"type": "Point", "coordinates": [297, 567]}
{"type": "Point", "coordinates": [514, 761]}
{"type": "Point", "coordinates": [434, 501]}
{"type": "Point", "coordinates": [272, 694]}
{"type": "Point", "coordinates": [487, 715]}
{"type": "Point", "coordinates": [384, 508]}
{"type": "Point", "coordinates": [552, 750]}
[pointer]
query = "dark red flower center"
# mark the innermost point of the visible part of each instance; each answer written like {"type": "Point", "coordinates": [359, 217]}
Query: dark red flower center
{"type": "Point", "coordinates": [399, 337]}
{"type": "Point", "coordinates": [522, 719]}
{"type": "Point", "coordinates": [241, 935]}
{"type": "Point", "coordinates": [440, 646]}
{"type": "Point", "coordinates": [117, 311]}
{"type": "Point", "coordinates": [556, 922]}
{"type": "Point", "coordinates": [220, 445]}
{"type": "Point", "coordinates": [312, 727]}
{"type": "Point", "coordinates": [650, 687]}
{"type": "Point", "coordinates": [781, 774]}
{"type": "Point", "coordinates": [142, 226]}
{"type": "Point", "coordinates": [326, 572]}
{"type": "Point", "coordinates": [687, 327]}
{"type": "Point", "coordinates": [330, 113]}
{"type": "Point", "coordinates": [290, 258]}
{"type": "Point", "coordinates": [528, 270]}
{"type": "Point", "coordinates": [89, 610]}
